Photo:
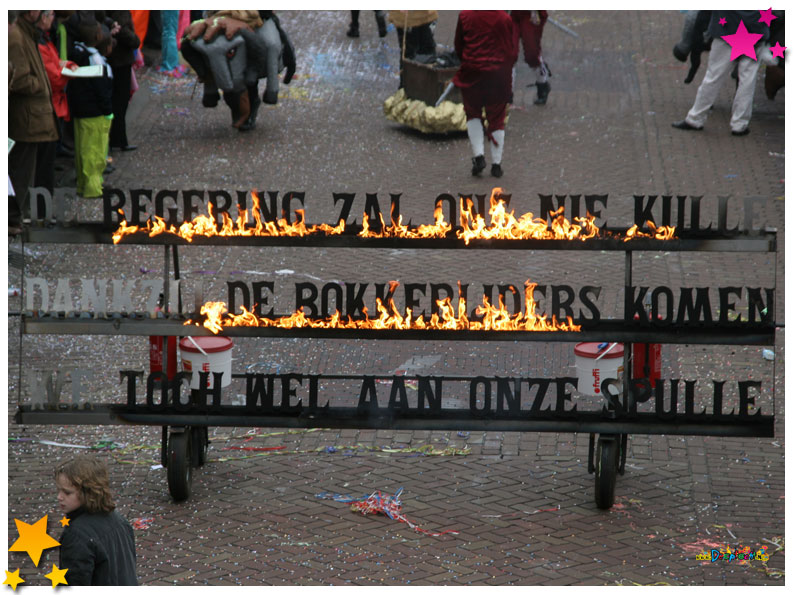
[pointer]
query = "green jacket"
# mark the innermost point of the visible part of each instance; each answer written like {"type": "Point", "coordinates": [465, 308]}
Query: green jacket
{"type": "Point", "coordinates": [31, 117]}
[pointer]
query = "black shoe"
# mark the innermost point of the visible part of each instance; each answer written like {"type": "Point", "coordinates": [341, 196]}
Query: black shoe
{"type": "Point", "coordinates": [543, 93]}
{"type": "Point", "coordinates": [744, 132]}
{"type": "Point", "coordinates": [684, 125]}
{"type": "Point", "coordinates": [62, 151]}
{"type": "Point", "coordinates": [381, 25]}
{"type": "Point", "coordinates": [496, 170]}
{"type": "Point", "coordinates": [129, 147]}
{"type": "Point", "coordinates": [477, 165]}
{"type": "Point", "coordinates": [353, 31]}
{"type": "Point", "coordinates": [109, 169]}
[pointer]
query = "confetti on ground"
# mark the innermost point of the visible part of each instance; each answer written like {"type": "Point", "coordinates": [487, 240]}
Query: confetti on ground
{"type": "Point", "coordinates": [426, 450]}
{"type": "Point", "coordinates": [378, 503]}
{"type": "Point", "coordinates": [699, 546]}
{"type": "Point", "coordinates": [142, 522]}
{"type": "Point", "coordinates": [525, 512]}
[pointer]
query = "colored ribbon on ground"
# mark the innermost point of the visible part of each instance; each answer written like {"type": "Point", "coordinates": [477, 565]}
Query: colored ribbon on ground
{"type": "Point", "coordinates": [387, 505]}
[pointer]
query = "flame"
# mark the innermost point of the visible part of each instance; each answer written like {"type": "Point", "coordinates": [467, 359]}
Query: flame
{"type": "Point", "coordinates": [206, 226]}
{"type": "Point", "coordinates": [494, 318]}
{"type": "Point", "coordinates": [664, 232]}
{"type": "Point", "coordinates": [503, 225]}
{"type": "Point", "coordinates": [397, 230]}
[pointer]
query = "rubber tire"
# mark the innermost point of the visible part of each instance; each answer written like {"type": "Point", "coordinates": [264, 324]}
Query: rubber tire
{"type": "Point", "coordinates": [180, 473]}
{"type": "Point", "coordinates": [198, 446]}
{"type": "Point", "coordinates": [607, 461]}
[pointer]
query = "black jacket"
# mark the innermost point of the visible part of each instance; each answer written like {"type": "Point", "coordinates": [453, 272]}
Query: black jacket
{"type": "Point", "coordinates": [89, 97]}
{"type": "Point", "coordinates": [98, 549]}
{"type": "Point", "coordinates": [126, 39]}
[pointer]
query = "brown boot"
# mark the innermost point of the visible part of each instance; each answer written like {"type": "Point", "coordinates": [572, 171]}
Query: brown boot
{"type": "Point", "coordinates": [244, 110]}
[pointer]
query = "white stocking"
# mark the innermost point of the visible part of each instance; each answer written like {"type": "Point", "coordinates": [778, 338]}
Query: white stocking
{"type": "Point", "coordinates": [496, 151]}
{"type": "Point", "coordinates": [476, 136]}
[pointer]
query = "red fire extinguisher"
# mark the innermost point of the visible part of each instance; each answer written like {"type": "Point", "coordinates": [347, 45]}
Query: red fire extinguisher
{"type": "Point", "coordinates": [156, 350]}
{"type": "Point", "coordinates": [647, 361]}
{"type": "Point", "coordinates": [646, 357]}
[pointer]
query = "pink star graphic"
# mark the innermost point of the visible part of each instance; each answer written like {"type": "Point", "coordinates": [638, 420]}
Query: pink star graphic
{"type": "Point", "coordinates": [742, 42]}
{"type": "Point", "coordinates": [777, 51]}
{"type": "Point", "coordinates": [722, 21]}
{"type": "Point", "coordinates": [766, 17]}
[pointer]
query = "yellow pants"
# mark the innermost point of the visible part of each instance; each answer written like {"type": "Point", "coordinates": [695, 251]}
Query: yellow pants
{"type": "Point", "coordinates": [90, 150]}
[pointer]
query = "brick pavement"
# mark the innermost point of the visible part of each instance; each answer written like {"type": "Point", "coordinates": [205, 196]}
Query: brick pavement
{"type": "Point", "coordinates": [523, 503]}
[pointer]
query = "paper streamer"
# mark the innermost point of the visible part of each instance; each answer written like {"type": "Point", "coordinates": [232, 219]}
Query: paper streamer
{"type": "Point", "coordinates": [387, 505]}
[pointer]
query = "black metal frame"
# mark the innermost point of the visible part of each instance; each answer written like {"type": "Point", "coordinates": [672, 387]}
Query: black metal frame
{"type": "Point", "coordinates": [610, 427]}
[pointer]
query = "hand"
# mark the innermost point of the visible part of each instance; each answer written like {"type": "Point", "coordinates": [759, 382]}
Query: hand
{"type": "Point", "coordinates": [68, 64]}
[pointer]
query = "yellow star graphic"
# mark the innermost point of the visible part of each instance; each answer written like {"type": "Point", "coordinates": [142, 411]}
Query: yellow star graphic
{"type": "Point", "coordinates": [33, 539]}
{"type": "Point", "coordinates": [13, 579]}
{"type": "Point", "coordinates": [64, 522]}
{"type": "Point", "coordinates": [57, 576]}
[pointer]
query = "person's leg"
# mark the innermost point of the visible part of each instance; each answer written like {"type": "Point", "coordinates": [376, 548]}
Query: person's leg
{"type": "Point", "coordinates": [22, 172]}
{"type": "Point", "coordinates": [426, 43]}
{"type": "Point", "coordinates": [743, 100]}
{"type": "Point", "coordinates": [412, 40]}
{"type": "Point", "coordinates": [121, 99]}
{"type": "Point", "coordinates": [97, 131]}
{"type": "Point", "coordinates": [170, 56]}
{"type": "Point", "coordinates": [353, 29]}
{"type": "Point", "coordinates": [79, 154]}
{"type": "Point", "coordinates": [45, 165]}
{"type": "Point", "coordinates": [473, 109]}
{"type": "Point", "coordinates": [380, 19]}
{"type": "Point", "coordinates": [718, 68]}
{"type": "Point", "coordinates": [496, 126]}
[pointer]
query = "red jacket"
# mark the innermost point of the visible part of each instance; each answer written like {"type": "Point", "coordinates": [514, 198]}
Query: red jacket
{"type": "Point", "coordinates": [52, 64]}
{"type": "Point", "coordinates": [485, 40]}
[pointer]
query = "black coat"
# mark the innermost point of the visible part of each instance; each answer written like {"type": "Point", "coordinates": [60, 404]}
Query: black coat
{"type": "Point", "coordinates": [127, 41]}
{"type": "Point", "coordinates": [88, 97]}
{"type": "Point", "coordinates": [98, 549]}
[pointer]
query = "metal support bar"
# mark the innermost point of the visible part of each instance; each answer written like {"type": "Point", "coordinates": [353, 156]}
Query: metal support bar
{"type": "Point", "coordinates": [605, 330]}
{"type": "Point", "coordinates": [452, 420]}
{"type": "Point", "coordinates": [703, 241]}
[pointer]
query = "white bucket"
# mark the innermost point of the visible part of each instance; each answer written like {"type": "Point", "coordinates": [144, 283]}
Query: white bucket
{"type": "Point", "coordinates": [592, 370]}
{"type": "Point", "coordinates": [207, 354]}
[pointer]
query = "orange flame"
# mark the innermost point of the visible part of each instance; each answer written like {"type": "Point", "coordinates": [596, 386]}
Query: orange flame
{"type": "Point", "coordinates": [503, 225]}
{"type": "Point", "coordinates": [205, 225]}
{"type": "Point", "coordinates": [493, 318]}
{"type": "Point", "coordinates": [665, 232]}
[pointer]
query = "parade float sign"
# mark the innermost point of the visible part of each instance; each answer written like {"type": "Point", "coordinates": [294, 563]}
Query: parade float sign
{"type": "Point", "coordinates": [443, 309]}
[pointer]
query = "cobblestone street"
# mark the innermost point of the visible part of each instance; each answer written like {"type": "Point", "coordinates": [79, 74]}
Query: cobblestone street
{"type": "Point", "coordinates": [522, 503]}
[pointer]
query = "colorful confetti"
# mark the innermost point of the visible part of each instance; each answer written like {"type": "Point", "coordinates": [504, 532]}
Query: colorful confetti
{"type": "Point", "coordinates": [387, 505]}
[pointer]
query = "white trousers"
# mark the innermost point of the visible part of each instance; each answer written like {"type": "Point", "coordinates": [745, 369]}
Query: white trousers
{"type": "Point", "coordinates": [717, 73]}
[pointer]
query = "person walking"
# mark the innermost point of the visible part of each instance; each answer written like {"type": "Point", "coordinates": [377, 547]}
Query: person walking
{"type": "Point", "coordinates": [740, 27]}
{"type": "Point", "coordinates": [486, 42]}
{"type": "Point", "coordinates": [380, 19]}
{"type": "Point", "coordinates": [530, 25]}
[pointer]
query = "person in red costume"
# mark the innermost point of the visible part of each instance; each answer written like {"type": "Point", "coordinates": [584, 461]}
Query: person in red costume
{"type": "Point", "coordinates": [486, 42]}
{"type": "Point", "coordinates": [530, 25]}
